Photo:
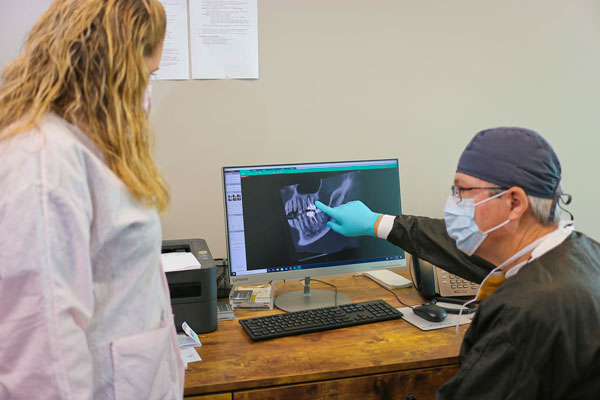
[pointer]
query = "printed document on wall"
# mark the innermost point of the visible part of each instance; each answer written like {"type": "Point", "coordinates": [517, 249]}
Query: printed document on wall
{"type": "Point", "coordinates": [175, 61]}
{"type": "Point", "coordinates": [224, 39]}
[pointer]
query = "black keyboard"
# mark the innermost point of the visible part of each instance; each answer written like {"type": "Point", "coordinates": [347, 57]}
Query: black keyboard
{"type": "Point", "coordinates": [318, 319]}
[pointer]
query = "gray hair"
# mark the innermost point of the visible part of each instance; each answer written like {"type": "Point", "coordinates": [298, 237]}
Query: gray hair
{"type": "Point", "coordinates": [541, 210]}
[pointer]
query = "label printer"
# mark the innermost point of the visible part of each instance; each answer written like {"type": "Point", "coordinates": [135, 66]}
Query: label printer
{"type": "Point", "coordinates": [193, 291]}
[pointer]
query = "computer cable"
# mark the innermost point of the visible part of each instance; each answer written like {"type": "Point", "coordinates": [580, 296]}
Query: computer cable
{"type": "Point", "coordinates": [327, 283]}
{"type": "Point", "coordinates": [223, 285]}
{"type": "Point", "coordinates": [332, 285]}
{"type": "Point", "coordinates": [320, 281]}
{"type": "Point", "coordinates": [469, 309]}
{"type": "Point", "coordinates": [391, 291]}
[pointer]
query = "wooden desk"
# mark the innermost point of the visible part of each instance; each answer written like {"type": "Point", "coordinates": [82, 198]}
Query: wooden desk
{"type": "Point", "coordinates": [383, 360]}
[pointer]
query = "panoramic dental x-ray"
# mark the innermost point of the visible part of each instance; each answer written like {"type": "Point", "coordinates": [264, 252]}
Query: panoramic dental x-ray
{"type": "Point", "coordinates": [308, 225]}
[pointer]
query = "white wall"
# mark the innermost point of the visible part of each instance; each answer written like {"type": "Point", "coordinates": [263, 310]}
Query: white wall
{"type": "Point", "coordinates": [16, 18]}
{"type": "Point", "coordinates": [357, 79]}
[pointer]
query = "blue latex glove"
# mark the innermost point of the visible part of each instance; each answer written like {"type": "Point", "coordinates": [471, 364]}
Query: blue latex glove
{"type": "Point", "coordinates": [351, 219]}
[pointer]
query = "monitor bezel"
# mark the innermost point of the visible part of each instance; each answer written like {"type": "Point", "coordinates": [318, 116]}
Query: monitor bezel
{"type": "Point", "coordinates": [325, 271]}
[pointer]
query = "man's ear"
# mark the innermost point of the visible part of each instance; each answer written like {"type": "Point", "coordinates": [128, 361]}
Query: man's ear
{"type": "Point", "coordinates": [519, 203]}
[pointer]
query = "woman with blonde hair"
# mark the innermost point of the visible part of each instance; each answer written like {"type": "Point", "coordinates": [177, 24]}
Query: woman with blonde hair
{"type": "Point", "coordinates": [85, 310]}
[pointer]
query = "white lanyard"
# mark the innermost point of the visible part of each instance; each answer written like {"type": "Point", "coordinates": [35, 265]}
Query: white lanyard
{"type": "Point", "coordinates": [557, 235]}
{"type": "Point", "coordinates": [546, 243]}
{"type": "Point", "coordinates": [523, 251]}
{"type": "Point", "coordinates": [550, 240]}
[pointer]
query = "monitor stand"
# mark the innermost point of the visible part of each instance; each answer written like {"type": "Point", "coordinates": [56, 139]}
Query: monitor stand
{"type": "Point", "coordinates": [299, 300]}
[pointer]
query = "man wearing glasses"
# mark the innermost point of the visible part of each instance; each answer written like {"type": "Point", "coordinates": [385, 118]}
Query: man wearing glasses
{"type": "Point", "coordinates": [538, 335]}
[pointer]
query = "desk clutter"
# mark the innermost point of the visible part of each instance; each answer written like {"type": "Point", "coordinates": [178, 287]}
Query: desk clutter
{"type": "Point", "coordinates": [252, 297]}
{"type": "Point", "coordinates": [188, 341]}
{"type": "Point", "coordinates": [224, 311]}
{"type": "Point", "coordinates": [388, 279]}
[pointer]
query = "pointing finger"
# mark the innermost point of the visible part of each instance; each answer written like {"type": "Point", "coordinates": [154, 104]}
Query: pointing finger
{"type": "Point", "coordinates": [326, 209]}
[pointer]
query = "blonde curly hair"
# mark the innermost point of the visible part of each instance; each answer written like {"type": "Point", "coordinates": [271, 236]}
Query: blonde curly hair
{"type": "Point", "coordinates": [84, 61]}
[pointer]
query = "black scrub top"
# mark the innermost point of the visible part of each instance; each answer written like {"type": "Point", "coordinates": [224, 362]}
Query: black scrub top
{"type": "Point", "coordinates": [538, 335]}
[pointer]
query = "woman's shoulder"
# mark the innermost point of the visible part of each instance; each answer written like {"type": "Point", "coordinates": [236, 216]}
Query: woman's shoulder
{"type": "Point", "coordinates": [64, 135]}
{"type": "Point", "coordinates": [49, 133]}
{"type": "Point", "coordinates": [53, 152]}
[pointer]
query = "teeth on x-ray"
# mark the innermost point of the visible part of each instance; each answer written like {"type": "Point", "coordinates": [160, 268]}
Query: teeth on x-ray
{"type": "Point", "coordinates": [303, 215]}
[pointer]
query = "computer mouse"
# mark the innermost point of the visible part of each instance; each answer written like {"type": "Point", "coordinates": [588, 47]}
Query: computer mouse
{"type": "Point", "coordinates": [430, 312]}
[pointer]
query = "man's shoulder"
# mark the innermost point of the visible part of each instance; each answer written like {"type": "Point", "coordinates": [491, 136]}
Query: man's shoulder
{"type": "Point", "coordinates": [578, 239]}
{"type": "Point", "coordinates": [575, 261]}
{"type": "Point", "coordinates": [556, 287]}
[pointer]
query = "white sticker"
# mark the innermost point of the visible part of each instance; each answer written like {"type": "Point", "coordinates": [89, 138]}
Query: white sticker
{"type": "Point", "coordinates": [190, 332]}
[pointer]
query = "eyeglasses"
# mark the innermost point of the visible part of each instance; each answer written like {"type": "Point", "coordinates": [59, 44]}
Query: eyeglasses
{"type": "Point", "coordinates": [457, 190]}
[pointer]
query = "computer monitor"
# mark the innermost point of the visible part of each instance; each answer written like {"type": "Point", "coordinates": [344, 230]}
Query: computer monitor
{"type": "Point", "coordinates": [275, 232]}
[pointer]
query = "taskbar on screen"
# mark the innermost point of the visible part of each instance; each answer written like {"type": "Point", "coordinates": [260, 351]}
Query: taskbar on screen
{"type": "Point", "coordinates": [332, 264]}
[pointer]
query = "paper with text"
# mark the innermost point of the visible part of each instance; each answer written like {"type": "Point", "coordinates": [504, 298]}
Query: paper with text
{"type": "Point", "coordinates": [224, 39]}
{"type": "Point", "coordinates": [175, 61]}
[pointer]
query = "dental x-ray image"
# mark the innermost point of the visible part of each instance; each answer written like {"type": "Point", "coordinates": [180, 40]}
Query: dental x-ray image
{"type": "Point", "coordinates": [308, 225]}
{"type": "Point", "coordinates": [283, 228]}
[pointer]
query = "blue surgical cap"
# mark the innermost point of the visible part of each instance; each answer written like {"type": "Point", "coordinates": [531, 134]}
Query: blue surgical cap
{"type": "Point", "coordinates": [513, 157]}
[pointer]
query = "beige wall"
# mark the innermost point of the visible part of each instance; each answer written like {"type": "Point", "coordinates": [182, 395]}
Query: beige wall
{"type": "Point", "coordinates": [361, 79]}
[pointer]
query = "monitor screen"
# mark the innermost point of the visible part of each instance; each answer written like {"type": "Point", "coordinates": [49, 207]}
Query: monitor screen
{"type": "Point", "coordinates": [274, 230]}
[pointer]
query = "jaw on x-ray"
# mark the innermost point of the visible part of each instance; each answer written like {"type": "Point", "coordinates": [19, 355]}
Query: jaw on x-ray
{"type": "Point", "coordinates": [308, 224]}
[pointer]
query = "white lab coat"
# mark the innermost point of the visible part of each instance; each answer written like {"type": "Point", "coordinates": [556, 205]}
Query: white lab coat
{"type": "Point", "coordinates": [84, 305]}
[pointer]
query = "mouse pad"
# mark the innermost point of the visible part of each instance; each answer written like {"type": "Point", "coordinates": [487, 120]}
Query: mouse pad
{"type": "Point", "coordinates": [424, 325]}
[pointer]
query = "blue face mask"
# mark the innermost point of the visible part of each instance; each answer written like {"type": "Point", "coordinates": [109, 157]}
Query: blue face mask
{"type": "Point", "coordinates": [459, 216]}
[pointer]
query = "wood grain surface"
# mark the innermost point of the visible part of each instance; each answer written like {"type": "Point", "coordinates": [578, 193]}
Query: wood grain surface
{"type": "Point", "coordinates": [233, 362]}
